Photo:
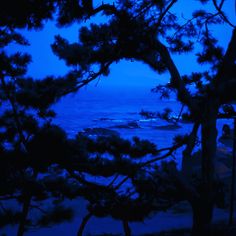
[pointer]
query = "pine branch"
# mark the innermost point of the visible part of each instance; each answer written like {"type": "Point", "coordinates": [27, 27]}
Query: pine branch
{"type": "Point", "coordinates": [85, 82]}
{"type": "Point", "coordinates": [39, 208]}
{"type": "Point", "coordinates": [15, 113]}
{"type": "Point", "coordinates": [105, 8]}
{"type": "Point", "coordinates": [191, 141]}
{"type": "Point", "coordinates": [165, 12]}
{"type": "Point", "coordinates": [176, 81]}
{"type": "Point", "coordinates": [113, 180]}
{"type": "Point", "coordinates": [224, 17]}
{"type": "Point", "coordinates": [170, 150]}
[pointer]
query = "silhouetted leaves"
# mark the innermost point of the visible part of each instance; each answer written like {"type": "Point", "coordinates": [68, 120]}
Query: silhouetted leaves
{"type": "Point", "coordinates": [39, 164]}
{"type": "Point", "coordinates": [57, 215]}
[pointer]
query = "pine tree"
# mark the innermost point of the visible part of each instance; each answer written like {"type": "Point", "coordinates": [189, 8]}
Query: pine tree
{"type": "Point", "coordinates": [150, 32]}
{"type": "Point", "coordinates": [40, 165]}
{"type": "Point", "coordinates": [25, 113]}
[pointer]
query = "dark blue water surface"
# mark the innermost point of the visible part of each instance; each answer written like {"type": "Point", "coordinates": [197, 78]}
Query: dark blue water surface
{"type": "Point", "coordinates": [108, 108]}
{"type": "Point", "coordinates": [115, 107]}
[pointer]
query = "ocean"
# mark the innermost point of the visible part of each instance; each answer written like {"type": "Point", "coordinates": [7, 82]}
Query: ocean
{"type": "Point", "coordinates": [114, 108]}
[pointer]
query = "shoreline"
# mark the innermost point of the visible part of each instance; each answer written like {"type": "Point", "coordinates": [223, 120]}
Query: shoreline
{"type": "Point", "coordinates": [177, 218]}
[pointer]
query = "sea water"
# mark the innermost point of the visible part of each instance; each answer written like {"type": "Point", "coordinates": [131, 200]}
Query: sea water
{"type": "Point", "coordinates": [109, 108]}
{"type": "Point", "coordinates": [113, 108]}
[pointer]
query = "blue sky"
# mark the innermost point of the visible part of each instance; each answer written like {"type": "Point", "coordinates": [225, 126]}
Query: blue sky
{"type": "Point", "coordinates": [125, 73]}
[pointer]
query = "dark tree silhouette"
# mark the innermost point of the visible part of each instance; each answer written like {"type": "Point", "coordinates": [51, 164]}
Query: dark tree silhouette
{"type": "Point", "coordinates": [127, 161]}
{"type": "Point", "coordinates": [40, 166]}
{"type": "Point", "coordinates": [150, 32]}
{"type": "Point", "coordinates": [25, 114]}
{"type": "Point", "coordinates": [39, 163]}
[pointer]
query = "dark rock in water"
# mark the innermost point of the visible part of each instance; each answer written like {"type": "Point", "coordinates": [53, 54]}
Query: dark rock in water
{"type": "Point", "coordinates": [168, 127]}
{"type": "Point", "coordinates": [103, 119]}
{"type": "Point", "coordinates": [120, 127]}
{"type": "Point", "coordinates": [228, 142]}
{"type": "Point", "coordinates": [227, 136]}
{"type": "Point", "coordinates": [100, 132]}
{"type": "Point", "coordinates": [129, 125]}
{"type": "Point", "coordinates": [133, 124]}
{"type": "Point", "coordinates": [106, 119]}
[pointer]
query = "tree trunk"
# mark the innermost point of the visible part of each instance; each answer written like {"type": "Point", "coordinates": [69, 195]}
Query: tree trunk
{"type": "Point", "coordinates": [24, 215]}
{"type": "Point", "coordinates": [232, 192]}
{"type": "Point", "coordinates": [202, 217]}
{"type": "Point", "coordinates": [127, 230]}
{"type": "Point", "coordinates": [209, 143]}
{"type": "Point", "coordinates": [83, 224]}
{"type": "Point", "coordinates": [203, 206]}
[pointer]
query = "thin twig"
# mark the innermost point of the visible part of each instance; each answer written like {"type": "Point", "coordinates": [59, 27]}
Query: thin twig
{"type": "Point", "coordinates": [224, 17]}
